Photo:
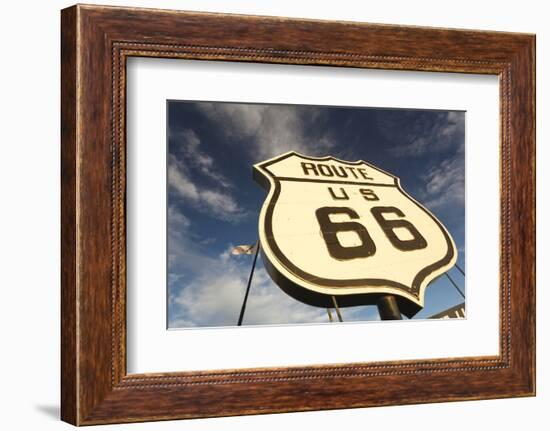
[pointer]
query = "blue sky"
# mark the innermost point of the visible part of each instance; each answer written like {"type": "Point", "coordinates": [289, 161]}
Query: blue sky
{"type": "Point", "coordinates": [213, 203]}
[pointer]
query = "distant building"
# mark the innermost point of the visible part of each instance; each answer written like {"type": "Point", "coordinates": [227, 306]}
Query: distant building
{"type": "Point", "coordinates": [456, 312]}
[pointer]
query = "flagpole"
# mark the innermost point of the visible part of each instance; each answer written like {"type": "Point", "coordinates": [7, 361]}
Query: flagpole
{"type": "Point", "coordinates": [241, 316]}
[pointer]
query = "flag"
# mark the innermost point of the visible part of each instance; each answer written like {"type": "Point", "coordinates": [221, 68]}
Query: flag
{"type": "Point", "coordinates": [245, 249]}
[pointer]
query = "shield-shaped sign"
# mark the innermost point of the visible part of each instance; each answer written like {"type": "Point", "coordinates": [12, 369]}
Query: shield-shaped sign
{"type": "Point", "coordinates": [347, 229]}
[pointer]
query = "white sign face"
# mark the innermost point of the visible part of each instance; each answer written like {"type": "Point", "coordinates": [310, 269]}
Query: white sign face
{"type": "Point", "coordinates": [347, 229]}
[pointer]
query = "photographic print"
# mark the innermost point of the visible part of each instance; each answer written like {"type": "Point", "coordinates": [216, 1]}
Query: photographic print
{"type": "Point", "coordinates": [298, 214]}
{"type": "Point", "coordinates": [230, 198]}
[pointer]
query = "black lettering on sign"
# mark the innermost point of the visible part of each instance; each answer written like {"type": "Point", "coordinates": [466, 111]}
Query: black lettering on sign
{"type": "Point", "coordinates": [325, 170]}
{"type": "Point", "coordinates": [363, 173]}
{"type": "Point", "coordinates": [352, 170]}
{"type": "Point", "coordinates": [388, 226]}
{"type": "Point", "coordinates": [309, 167]}
{"type": "Point", "coordinates": [369, 194]}
{"type": "Point", "coordinates": [339, 171]}
{"type": "Point", "coordinates": [330, 229]}
{"type": "Point", "coordinates": [343, 195]}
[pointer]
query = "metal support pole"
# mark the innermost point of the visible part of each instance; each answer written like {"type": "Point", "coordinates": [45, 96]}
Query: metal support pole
{"type": "Point", "coordinates": [388, 308]}
{"type": "Point", "coordinates": [455, 285]}
{"type": "Point", "coordinates": [460, 269]}
{"type": "Point", "coordinates": [241, 316]}
{"type": "Point", "coordinates": [337, 309]}
{"type": "Point", "coordinates": [329, 315]}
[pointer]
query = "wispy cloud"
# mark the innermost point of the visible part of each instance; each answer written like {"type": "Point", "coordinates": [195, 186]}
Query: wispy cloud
{"type": "Point", "coordinates": [189, 146]}
{"type": "Point", "coordinates": [185, 254]}
{"type": "Point", "coordinates": [216, 203]}
{"type": "Point", "coordinates": [178, 220]}
{"type": "Point", "coordinates": [445, 183]}
{"type": "Point", "coordinates": [414, 134]}
{"type": "Point", "coordinates": [214, 298]}
{"type": "Point", "coordinates": [270, 130]}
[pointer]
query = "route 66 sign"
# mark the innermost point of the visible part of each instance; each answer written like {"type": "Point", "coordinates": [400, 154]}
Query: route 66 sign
{"type": "Point", "coordinates": [347, 229]}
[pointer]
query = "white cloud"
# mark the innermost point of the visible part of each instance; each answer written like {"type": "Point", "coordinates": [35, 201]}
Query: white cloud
{"type": "Point", "coordinates": [210, 300]}
{"type": "Point", "coordinates": [217, 204]}
{"type": "Point", "coordinates": [179, 181]}
{"type": "Point", "coordinates": [214, 298]}
{"type": "Point", "coordinates": [272, 129]}
{"type": "Point", "coordinates": [268, 304]}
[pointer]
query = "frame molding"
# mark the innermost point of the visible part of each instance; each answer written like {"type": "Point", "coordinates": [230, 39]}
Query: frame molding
{"type": "Point", "coordinates": [95, 43]}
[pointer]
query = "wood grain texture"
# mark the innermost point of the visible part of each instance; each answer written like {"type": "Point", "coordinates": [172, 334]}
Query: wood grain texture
{"type": "Point", "coordinates": [69, 365]}
{"type": "Point", "coordinates": [96, 41]}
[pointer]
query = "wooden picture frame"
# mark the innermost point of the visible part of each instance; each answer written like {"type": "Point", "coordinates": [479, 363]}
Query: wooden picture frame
{"type": "Point", "coordinates": [95, 43]}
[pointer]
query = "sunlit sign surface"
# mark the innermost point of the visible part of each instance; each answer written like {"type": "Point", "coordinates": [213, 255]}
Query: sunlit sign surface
{"type": "Point", "coordinates": [347, 229]}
